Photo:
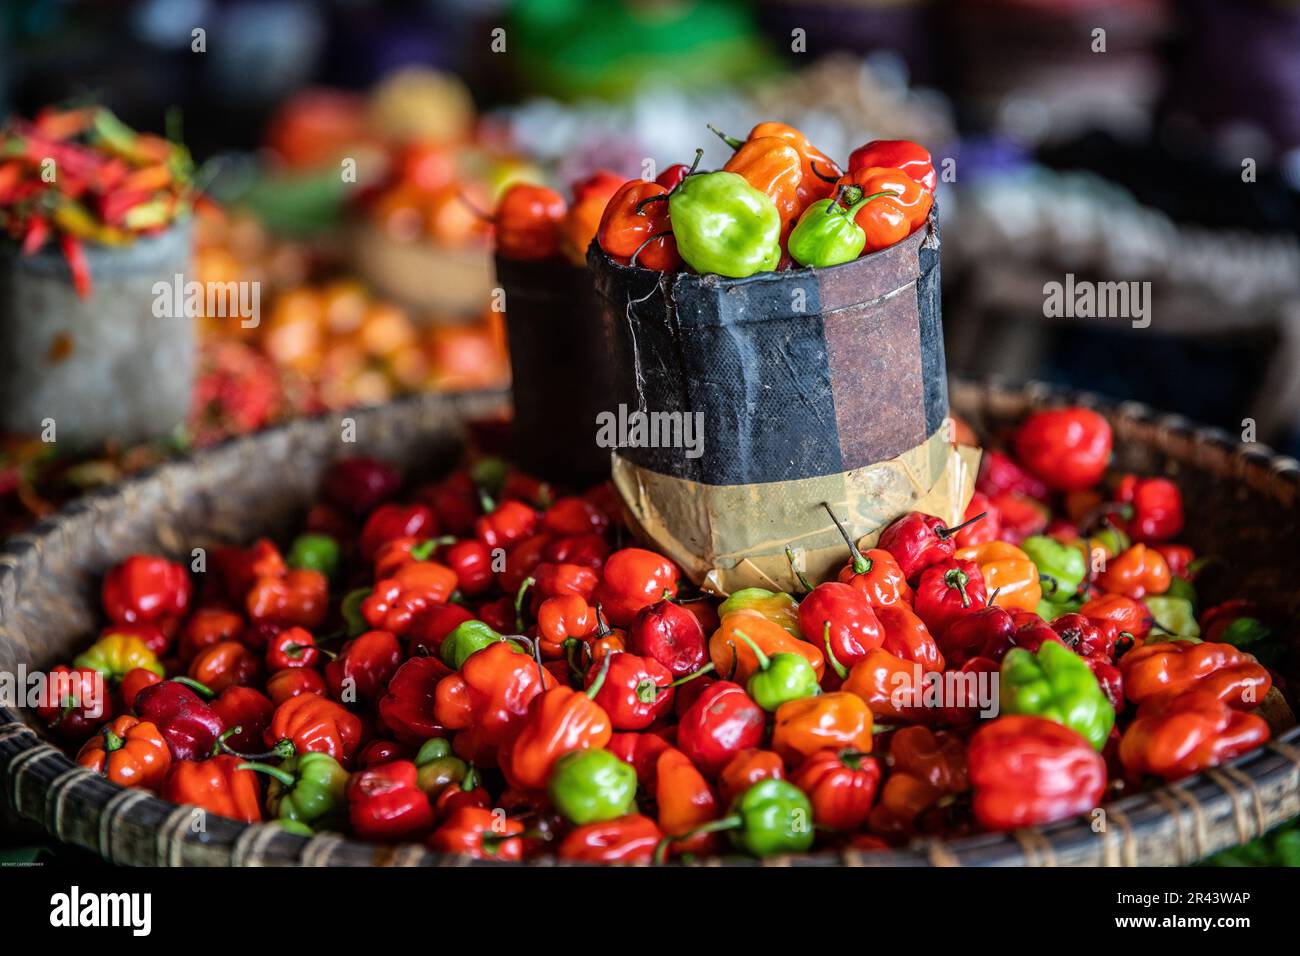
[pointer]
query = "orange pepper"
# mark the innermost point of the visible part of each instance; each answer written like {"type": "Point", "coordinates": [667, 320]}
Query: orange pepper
{"type": "Point", "coordinates": [813, 186]}
{"type": "Point", "coordinates": [728, 650]}
{"type": "Point", "coordinates": [563, 617]}
{"type": "Point", "coordinates": [558, 722]}
{"type": "Point", "coordinates": [583, 218]}
{"type": "Point", "coordinates": [1186, 734]}
{"type": "Point", "coordinates": [315, 725]}
{"type": "Point", "coordinates": [487, 698]}
{"type": "Point", "coordinates": [225, 665]}
{"type": "Point", "coordinates": [217, 785]}
{"type": "Point", "coordinates": [877, 678]}
{"type": "Point", "coordinates": [889, 219]}
{"type": "Point", "coordinates": [1135, 573]}
{"type": "Point", "coordinates": [1127, 614]}
{"type": "Point", "coordinates": [927, 766]}
{"type": "Point", "coordinates": [685, 801]}
{"type": "Point", "coordinates": [774, 168]}
{"type": "Point", "coordinates": [907, 636]}
{"type": "Point", "coordinates": [1007, 570]}
{"type": "Point", "coordinates": [747, 768]}
{"type": "Point", "coordinates": [298, 599]}
{"type": "Point", "coordinates": [839, 720]}
{"type": "Point", "coordinates": [1157, 672]}
{"type": "Point", "coordinates": [129, 751]}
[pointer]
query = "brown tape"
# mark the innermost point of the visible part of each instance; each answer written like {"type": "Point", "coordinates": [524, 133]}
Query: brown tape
{"type": "Point", "coordinates": [727, 537]}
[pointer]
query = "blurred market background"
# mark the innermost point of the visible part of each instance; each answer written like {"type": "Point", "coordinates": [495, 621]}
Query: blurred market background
{"type": "Point", "coordinates": [1108, 139]}
{"type": "Point", "coordinates": [1118, 160]}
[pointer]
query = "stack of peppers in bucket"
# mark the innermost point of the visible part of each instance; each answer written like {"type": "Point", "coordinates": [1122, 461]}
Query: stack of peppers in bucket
{"type": "Point", "coordinates": [481, 665]}
{"type": "Point", "coordinates": [77, 176]}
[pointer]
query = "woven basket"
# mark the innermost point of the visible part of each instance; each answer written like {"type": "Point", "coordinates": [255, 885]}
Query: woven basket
{"type": "Point", "coordinates": [1244, 501]}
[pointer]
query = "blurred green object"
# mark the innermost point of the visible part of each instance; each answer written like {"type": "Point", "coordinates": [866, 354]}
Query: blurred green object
{"type": "Point", "coordinates": [1281, 847]}
{"type": "Point", "coordinates": [577, 48]}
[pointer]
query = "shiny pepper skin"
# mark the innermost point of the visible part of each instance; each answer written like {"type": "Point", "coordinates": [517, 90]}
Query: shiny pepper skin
{"type": "Point", "coordinates": [734, 657]}
{"type": "Point", "coordinates": [510, 522]}
{"type": "Point", "coordinates": [1028, 771]}
{"type": "Point", "coordinates": [480, 834]}
{"type": "Point", "coordinates": [248, 710]}
{"type": "Point", "coordinates": [841, 786]}
{"type": "Point", "coordinates": [359, 485]}
{"type": "Point", "coordinates": [916, 541]}
{"type": "Point", "coordinates": [637, 691]}
{"type": "Point", "coordinates": [839, 720]}
{"type": "Point", "coordinates": [413, 588]}
{"type": "Point", "coordinates": [384, 803]}
{"type": "Point", "coordinates": [300, 598]}
{"type": "Point", "coordinates": [1170, 668]}
{"type": "Point", "coordinates": [1007, 570]}
{"type": "Point", "coordinates": [989, 632]}
{"type": "Point", "coordinates": [408, 704]}
{"type": "Point", "coordinates": [628, 839]}
{"type": "Point", "coordinates": [948, 591]}
{"type": "Point", "coordinates": [670, 635]}
{"type": "Point", "coordinates": [1156, 507]}
{"type": "Point", "coordinates": [227, 664]}
{"type": "Point", "coordinates": [145, 588]}
{"type": "Point", "coordinates": [629, 223]}
{"type": "Point", "coordinates": [838, 615]}
{"type": "Point", "coordinates": [471, 561]}
{"type": "Point", "coordinates": [878, 577]}
{"type": "Point", "coordinates": [891, 217]}
{"type": "Point", "coordinates": [685, 800]}
{"type": "Point", "coordinates": [363, 667]}
{"type": "Point", "coordinates": [558, 721]}
{"type": "Point", "coordinates": [129, 752]}
{"type": "Point", "coordinates": [634, 578]}
{"type": "Point", "coordinates": [927, 766]}
{"type": "Point", "coordinates": [216, 785]}
{"type": "Point", "coordinates": [903, 154]}
{"type": "Point", "coordinates": [777, 606]}
{"type": "Point", "coordinates": [1067, 448]}
{"type": "Point", "coordinates": [747, 768]}
{"type": "Point", "coordinates": [725, 226]}
{"type": "Point", "coordinates": [1136, 573]}
{"type": "Point", "coordinates": [527, 222]}
{"type": "Point", "coordinates": [1188, 733]}
{"type": "Point", "coordinates": [189, 725]}
{"type": "Point", "coordinates": [315, 725]}
{"type": "Point", "coordinates": [774, 168]}
{"type": "Point", "coordinates": [391, 521]}
{"type": "Point", "coordinates": [813, 186]}
{"type": "Point", "coordinates": [114, 655]}
{"type": "Point", "coordinates": [292, 647]}
{"type": "Point", "coordinates": [1057, 684]}
{"type": "Point", "coordinates": [722, 721]}
{"type": "Point", "coordinates": [563, 618]}
{"type": "Point", "coordinates": [907, 636]}
{"type": "Point", "coordinates": [884, 681]}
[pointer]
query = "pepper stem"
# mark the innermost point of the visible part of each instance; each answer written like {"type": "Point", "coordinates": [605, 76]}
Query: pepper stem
{"type": "Point", "coordinates": [519, 601]}
{"type": "Point", "coordinates": [731, 141]}
{"type": "Point", "coordinates": [957, 578]}
{"type": "Point", "coordinates": [283, 750]}
{"type": "Point", "coordinates": [706, 669]}
{"type": "Point", "coordinates": [275, 773]}
{"type": "Point", "coordinates": [830, 654]}
{"type": "Point", "coordinates": [599, 682]}
{"type": "Point", "coordinates": [631, 260]}
{"type": "Point", "coordinates": [764, 662]}
{"type": "Point", "coordinates": [730, 822]}
{"type": "Point", "coordinates": [425, 549]}
{"type": "Point", "coordinates": [602, 627]}
{"type": "Point", "coordinates": [203, 690]}
{"type": "Point", "coordinates": [112, 741]}
{"type": "Point", "coordinates": [858, 204]}
{"type": "Point", "coordinates": [942, 533]}
{"type": "Point", "coordinates": [799, 575]}
{"type": "Point", "coordinates": [826, 179]}
{"type": "Point", "coordinates": [861, 564]}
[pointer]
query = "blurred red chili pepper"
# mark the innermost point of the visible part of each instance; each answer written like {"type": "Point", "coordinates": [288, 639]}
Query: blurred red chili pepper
{"type": "Point", "coordinates": [527, 221]}
{"type": "Point", "coordinates": [145, 588]}
{"type": "Point", "coordinates": [391, 521]}
{"type": "Point", "coordinates": [629, 839]}
{"type": "Point", "coordinates": [1155, 507]}
{"type": "Point", "coordinates": [299, 598]}
{"type": "Point", "coordinates": [249, 710]}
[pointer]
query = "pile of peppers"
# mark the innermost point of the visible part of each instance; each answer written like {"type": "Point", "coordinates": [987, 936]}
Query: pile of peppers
{"type": "Point", "coordinates": [77, 176]}
{"type": "Point", "coordinates": [478, 665]}
{"type": "Point", "coordinates": [778, 203]}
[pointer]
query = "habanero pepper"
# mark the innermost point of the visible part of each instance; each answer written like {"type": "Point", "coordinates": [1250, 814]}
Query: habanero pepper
{"type": "Point", "coordinates": [947, 591]}
{"type": "Point", "coordinates": [408, 706]}
{"type": "Point", "coordinates": [389, 522]}
{"type": "Point", "coordinates": [899, 205]}
{"type": "Point", "coordinates": [627, 839]}
{"type": "Point", "coordinates": [841, 786]}
{"type": "Point", "coordinates": [633, 225]}
{"type": "Point", "coordinates": [216, 785]}
{"type": "Point", "coordinates": [927, 766]}
{"type": "Point", "coordinates": [725, 226]}
{"type": "Point", "coordinates": [989, 632]}
{"type": "Point", "coordinates": [561, 619]}
{"type": "Point", "coordinates": [634, 578]}
{"type": "Point", "coordinates": [1153, 508]}
{"type": "Point", "coordinates": [1192, 731]}
{"type": "Point", "coordinates": [771, 817]}
{"type": "Point", "coordinates": [1129, 616]}
{"type": "Point", "coordinates": [247, 712]}
{"type": "Point", "coordinates": [876, 573]}
{"type": "Point", "coordinates": [386, 805]}
{"type": "Point", "coordinates": [186, 722]}
{"type": "Point", "coordinates": [1027, 771]}
{"type": "Point", "coordinates": [310, 789]}
{"type": "Point", "coordinates": [1067, 448]}
{"type": "Point", "coordinates": [670, 635]}
{"type": "Point", "coordinates": [205, 627]}
{"type": "Point", "coordinates": [134, 681]}
{"type": "Point", "coordinates": [1062, 568]}
{"type": "Point", "coordinates": [1057, 684]}
{"type": "Point", "coordinates": [637, 691]}
{"type": "Point", "coordinates": [293, 682]}
{"type": "Point", "coordinates": [777, 606]}
{"type": "Point", "coordinates": [480, 834]}
{"type": "Point", "coordinates": [886, 683]}
{"type": "Point", "coordinates": [907, 636]}
{"type": "Point", "coordinates": [1165, 670]}
{"type": "Point", "coordinates": [310, 724]}
{"type": "Point", "coordinates": [780, 678]}
{"type": "Point", "coordinates": [364, 667]}
{"type": "Point", "coordinates": [146, 588]}
{"type": "Point", "coordinates": [735, 658]}
{"type": "Point", "coordinates": [818, 168]}
{"type": "Point", "coordinates": [839, 720]}
{"type": "Point", "coordinates": [471, 561]}
{"type": "Point", "coordinates": [1136, 573]}
{"type": "Point", "coordinates": [130, 752]}
{"type": "Point", "coordinates": [903, 154]}
{"type": "Point", "coordinates": [527, 222]}
{"type": "Point", "coordinates": [591, 786]}
{"type": "Point", "coordinates": [508, 523]}
{"type": "Point", "coordinates": [114, 655]}
{"type": "Point", "coordinates": [747, 768]}
{"type": "Point", "coordinates": [1007, 570]}
{"type": "Point", "coordinates": [299, 598]}
{"type": "Point", "coordinates": [840, 614]}
{"type": "Point", "coordinates": [431, 627]}
{"type": "Point", "coordinates": [558, 721]}
{"type": "Point", "coordinates": [582, 219]}
{"type": "Point", "coordinates": [413, 588]}
{"type": "Point", "coordinates": [722, 721]}
{"type": "Point", "coordinates": [488, 698]}
{"type": "Point", "coordinates": [223, 665]}
{"type": "Point", "coordinates": [917, 540]}
{"type": "Point", "coordinates": [828, 233]}
{"type": "Point", "coordinates": [292, 647]}
{"type": "Point", "coordinates": [684, 801]}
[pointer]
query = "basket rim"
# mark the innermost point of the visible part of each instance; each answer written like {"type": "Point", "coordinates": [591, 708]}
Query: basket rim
{"type": "Point", "coordinates": [1226, 793]}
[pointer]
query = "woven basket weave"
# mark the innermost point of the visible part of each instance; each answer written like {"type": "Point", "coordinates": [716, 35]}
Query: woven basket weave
{"type": "Point", "coordinates": [1244, 503]}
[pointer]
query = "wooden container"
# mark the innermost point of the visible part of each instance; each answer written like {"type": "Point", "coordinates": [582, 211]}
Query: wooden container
{"type": "Point", "coordinates": [1247, 500]}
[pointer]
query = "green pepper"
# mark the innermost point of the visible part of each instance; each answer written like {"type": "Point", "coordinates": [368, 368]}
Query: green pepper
{"type": "Point", "coordinates": [724, 225]}
{"type": "Point", "coordinates": [779, 678]}
{"type": "Point", "coordinates": [294, 826]}
{"type": "Point", "coordinates": [315, 552]}
{"type": "Point", "coordinates": [828, 234]}
{"type": "Point", "coordinates": [1061, 567]}
{"type": "Point", "coordinates": [490, 474]}
{"type": "Point", "coordinates": [589, 786]}
{"type": "Point", "coordinates": [777, 606]}
{"type": "Point", "coordinates": [467, 638]}
{"type": "Point", "coordinates": [1049, 612]}
{"type": "Point", "coordinates": [350, 609]}
{"type": "Point", "coordinates": [1256, 638]}
{"type": "Point", "coordinates": [439, 768]}
{"type": "Point", "coordinates": [1173, 618]}
{"type": "Point", "coordinates": [307, 788]}
{"type": "Point", "coordinates": [435, 748]}
{"type": "Point", "coordinates": [1057, 684]}
{"type": "Point", "coordinates": [1182, 588]}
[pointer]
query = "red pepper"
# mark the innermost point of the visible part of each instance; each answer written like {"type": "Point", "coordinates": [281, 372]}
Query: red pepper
{"type": "Point", "coordinates": [407, 707]}
{"type": "Point", "coordinates": [1155, 506]}
{"type": "Point", "coordinates": [841, 786]}
{"type": "Point", "coordinates": [641, 752]}
{"type": "Point", "coordinates": [523, 557]}
{"type": "Point", "coordinates": [223, 665]}
{"type": "Point", "coordinates": [553, 579]}
{"type": "Point", "coordinates": [1068, 448]}
{"type": "Point", "coordinates": [988, 528]}
{"type": "Point", "coordinates": [987, 632]}
{"type": "Point", "coordinates": [1128, 615]}
{"type": "Point", "coordinates": [315, 725]}
{"type": "Point", "coordinates": [154, 637]}
{"type": "Point", "coordinates": [287, 684]}
{"type": "Point", "coordinates": [75, 255]}
{"type": "Point", "coordinates": [721, 722]}
{"type": "Point", "coordinates": [364, 667]}
{"type": "Point", "coordinates": [189, 725]}
{"type": "Point", "coordinates": [634, 578]}
{"type": "Point", "coordinates": [359, 485]}
{"type": "Point", "coordinates": [562, 619]}
{"type": "Point", "coordinates": [636, 692]}
{"type": "Point", "coordinates": [299, 598]}
{"type": "Point", "coordinates": [629, 839]}
{"type": "Point", "coordinates": [747, 768]}
{"type": "Point", "coordinates": [391, 521]}
{"type": "Point", "coordinates": [381, 751]}
{"type": "Point", "coordinates": [588, 550]}
{"type": "Point", "coordinates": [1179, 736]}
{"type": "Point", "coordinates": [837, 616]}
{"type": "Point", "coordinates": [430, 626]}
{"type": "Point", "coordinates": [487, 700]}
{"type": "Point", "coordinates": [144, 588]}
{"type": "Point", "coordinates": [527, 221]}
{"type": "Point", "coordinates": [903, 154]}
{"type": "Point", "coordinates": [1167, 669]}
{"type": "Point", "coordinates": [238, 569]}
{"type": "Point", "coordinates": [471, 560]}
{"type": "Point", "coordinates": [413, 588]}
{"type": "Point", "coordinates": [948, 591]}
{"type": "Point", "coordinates": [386, 805]}
{"type": "Point", "coordinates": [670, 635]}
{"type": "Point", "coordinates": [78, 702]}
{"type": "Point", "coordinates": [1179, 557]}
{"type": "Point", "coordinates": [480, 834]}
{"type": "Point", "coordinates": [574, 515]}
{"type": "Point", "coordinates": [1028, 771]}
{"type": "Point", "coordinates": [907, 636]}
{"type": "Point", "coordinates": [134, 681]}
{"type": "Point", "coordinates": [509, 522]}
{"type": "Point", "coordinates": [875, 574]}
{"type": "Point", "coordinates": [294, 647]}
{"type": "Point", "coordinates": [247, 709]}
{"type": "Point", "coordinates": [633, 225]}
{"type": "Point", "coordinates": [917, 540]}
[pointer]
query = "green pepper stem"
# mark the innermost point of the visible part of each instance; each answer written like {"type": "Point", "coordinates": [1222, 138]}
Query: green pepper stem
{"type": "Point", "coordinates": [731, 141]}
{"type": "Point", "coordinates": [203, 690]}
{"type": "Point", "coordinates": [699, 154]}
{"type": "Point", "coordinates": [830, 654]}
{"type": "Point", "coordinates": [284, 749]}
{"type": "Point", "coordinates": [729, 822]}
{"type": "Point", "coordinates": [275, 773]}
{"type": "Point", "coordinates": [799, 575]}
{"type": "Point", "coordinates": [423, 550]}
{"type": "Point", "coordinates": [957, 578]}
{"type": "Point", "coordinates": [853, 209]}
{"type": "Point", "coordinates": [861, 564]}
{"type": "Point", "coordinates": [599, 682]}
{"type": "Point", "coordinates": [485, 502]}
{"type": "Point", "coordinates": [764, 662]}
{"type": "Point", "coordinates": [519, 601]}
{"type": "Point", "coordinates": [112, 741]}
{"type": "Point", "coordinates": [706, 669]}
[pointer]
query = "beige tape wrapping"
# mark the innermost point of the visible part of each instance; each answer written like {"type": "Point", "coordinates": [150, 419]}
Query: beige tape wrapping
{"type": "Point", "coordinates": [728, 537]}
